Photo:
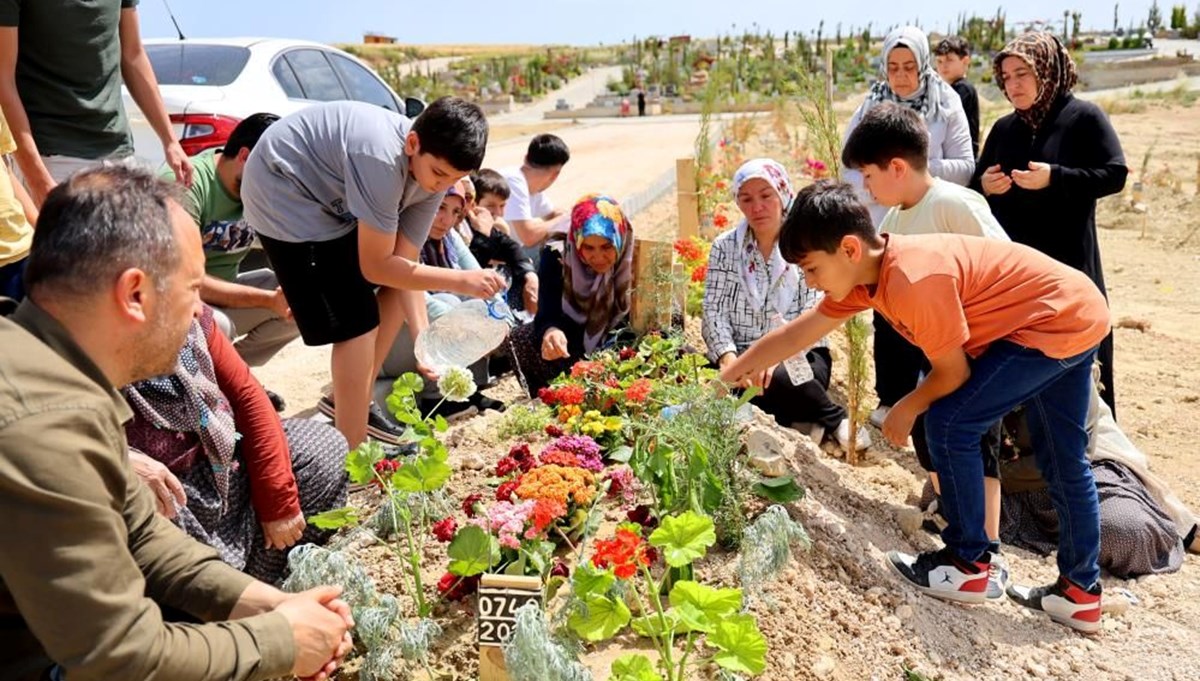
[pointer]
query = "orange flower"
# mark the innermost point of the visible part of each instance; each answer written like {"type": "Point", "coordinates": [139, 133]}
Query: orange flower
{"type": "Point", "coordinates": [558, 483]}
{"type": "Point", "coordinates": [623, 554]}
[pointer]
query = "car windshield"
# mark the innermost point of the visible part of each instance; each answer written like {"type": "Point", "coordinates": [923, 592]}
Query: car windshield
{"type": "Point", "coordinates": [191, 64]}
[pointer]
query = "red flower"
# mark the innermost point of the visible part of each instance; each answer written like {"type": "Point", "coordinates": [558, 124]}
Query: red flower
{"type": "Point", "coordinates": [444, 529]}
{"type": "Point", "coordinates": [700, 273]}
{"type": "Point", "coordinates": [468, 504]}
{"type": "Point", "coordinates": [384, 469]}
{"type": "Point", "coordinates": [688, 250]}
{"type": "Point", "coordinates": [560, 458]}
{"type": "Point", "coordinates": [520, 454]}
{"type": "Point", "coordinates": [553, 430]}
{"type": "Point", "coordinates": [455, 588]}
{"type": "Point", "coordinates": [506, 489]}
{"type": "Point", "coordinates": [548, 396]}
{"type": "Point", "coordinates": [639, 390]}
{"type": "Point", "coordinates": [570, 394]}
{"type": "Point", "coordinates": [586, 369]}
{"type": "Point", "coordinates": [545, 512]}
{"type": "Point", "coordinates": [612, 382]}
{"type": "Point", "coordinates": [623, 554]}
{"type": "Point", "coordinates": [644, 516]}
{"type": "Point", "coordinates": [506, 466]}
{"type": "Point", "coordinates": [627, 353]}
{"type": "Point", "coordinates": [560, 569]}
{"type": "Point", "coordinates": [720, 221]}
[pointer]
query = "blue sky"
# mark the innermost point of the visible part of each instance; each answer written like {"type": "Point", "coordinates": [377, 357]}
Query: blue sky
{"type": "Point", "coordinates": [579, 21]}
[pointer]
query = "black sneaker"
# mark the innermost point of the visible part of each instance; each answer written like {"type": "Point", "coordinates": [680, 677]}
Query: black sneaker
{"type": "Point", "coordinates": [1064, 602]}
{"type": "Point", "coordinates": [483, 403]}
{"type": "Point", "coordinates": [277, 400]}
{"type": "Point", "coordinates": [379, 426]}
{"type": "Point", "coordinates": [943, 574]}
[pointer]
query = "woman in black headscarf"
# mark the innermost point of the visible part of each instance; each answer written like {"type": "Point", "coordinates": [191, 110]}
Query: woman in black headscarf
{"type": "Point", "coordinates": [1044, 166]}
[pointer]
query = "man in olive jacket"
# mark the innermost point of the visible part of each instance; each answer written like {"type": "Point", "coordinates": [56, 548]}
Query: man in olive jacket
{"type": "Point", "coordinates": [85, 561]}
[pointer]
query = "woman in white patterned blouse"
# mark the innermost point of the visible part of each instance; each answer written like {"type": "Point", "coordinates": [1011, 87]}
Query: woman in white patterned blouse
{"type": "Point", "coordinates": [750, 290]}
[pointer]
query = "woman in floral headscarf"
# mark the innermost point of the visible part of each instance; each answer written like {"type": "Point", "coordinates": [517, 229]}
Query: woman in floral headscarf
{"type": "Point", "coordinates": [1044, 165]}
{"type": "Point", "coordinates": [907, 77]}
{"type": "Point", "coordinates": [750, 289]}
{"type": "Point", "coordinates": [583, 297]}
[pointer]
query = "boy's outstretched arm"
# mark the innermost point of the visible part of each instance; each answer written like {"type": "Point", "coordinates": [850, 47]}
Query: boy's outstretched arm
{"type": "Point", "coordinates": [950, 371]}
{"type": "Point", "coordinates": [778, 345]}
{"type": "Point", "coordinates": [392, 260]}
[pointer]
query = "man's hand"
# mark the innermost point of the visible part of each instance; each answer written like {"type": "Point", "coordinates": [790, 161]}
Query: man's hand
{"type": "Point", "coordinates": [280, 534]}
{"type": "Point", "coordinates": [554, 345]}
{"type": "Point", "coordinates": [899, 422]}
{"type": "Point", "coordinates": [169, 496]}
{"type": "Point", "coordinates": [319, 627]}
{"type": "Point", "coordinates": [178, 159]}
{"type": "Point", "coordinates": [483, 283]}
{"type": "Point", "coordinates": [279, 305]}
{"type": "Point", "coordinates": [994, 181]}
{"type": "Point", "coordinates": [481, 220]}
{"type": "Point", "coordinates": [1037, 177]}
{"type": "Point", "coordinates": [529, 294]}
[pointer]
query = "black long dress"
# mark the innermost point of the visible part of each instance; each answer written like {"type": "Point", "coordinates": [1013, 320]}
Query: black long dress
{"type": "Point", "coordinates": [1086, 163]}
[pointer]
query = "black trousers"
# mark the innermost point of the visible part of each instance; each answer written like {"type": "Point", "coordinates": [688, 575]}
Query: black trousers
{"type": "Point", "coordinates": [808, 402]}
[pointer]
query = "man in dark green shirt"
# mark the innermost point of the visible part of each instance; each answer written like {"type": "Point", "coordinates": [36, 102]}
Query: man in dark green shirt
{"type": "Point", "coordinates": [87, 562]}
{"type": "Point", "coordinates": [61, 67]}
{"type": "Point", "coordinates": [249, 307]}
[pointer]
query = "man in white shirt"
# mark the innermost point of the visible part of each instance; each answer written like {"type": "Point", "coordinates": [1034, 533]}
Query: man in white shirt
{"type": "Point", "coordinates": [528, 211]}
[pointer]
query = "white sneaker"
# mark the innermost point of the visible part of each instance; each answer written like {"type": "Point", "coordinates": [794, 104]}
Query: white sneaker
{"type": "Point", "coordinates": [817, 434]}
{"type": "Point", "coordinates": [878, 416]}
{"type": "Point", "coordinates": [998, 579]}
{"type": "Point", "coordinates": [843, 436]}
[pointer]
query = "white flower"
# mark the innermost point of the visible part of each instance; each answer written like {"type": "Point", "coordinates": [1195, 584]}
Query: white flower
{"type": "Point", "coordinates": [456, 384]}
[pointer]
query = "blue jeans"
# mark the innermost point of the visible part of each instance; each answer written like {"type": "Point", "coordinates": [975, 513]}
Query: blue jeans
{"type": "Point", "coordinates": [12, 279]}
{"type": "Point", "coordinates": [1056, 393]}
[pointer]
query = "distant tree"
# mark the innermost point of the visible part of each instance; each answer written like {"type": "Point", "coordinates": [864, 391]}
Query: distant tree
{"type": "Point", "coordinates": [1076, 19]}
{"type": "Point", "coordinates": [1116, 20]}
{"type": "Point", "coordinates": [1179, 17]}
{"type": "Point", "coordinates": [1154, 18]}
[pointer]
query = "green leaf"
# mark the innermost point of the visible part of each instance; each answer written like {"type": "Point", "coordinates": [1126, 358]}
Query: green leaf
{"type": "Point", "coordinates": [599, 618]}
{"type": "Point", "coordinates": [360, 462]}
{"type": "Point", "coordinates": [472, 551]}
{"type": "Point", "coordinates": [621, 454]}
{"type": "Point", "coordinates": [742, 646]}
{"type": "Point", "coordinates": [425, 474]}
{"type": "Point", "coordinates": [702, 607]}
{"type": "Point", "coordinates": [633, 668]}
{"type": "Point", "coordinates": [650, 625]}
{"type": "Point", "coordinates": [684, 538]}
{"type": "Point", "coordinates": [335, 519]}
{"type": "Point", "coordinates": [440, 424]}
{"type": "Point", "coordinates": [780, 490]}
{"type": "Point", "coordinates": [409, 382]}
{"type": "Point", "coordinates": [590, 580]}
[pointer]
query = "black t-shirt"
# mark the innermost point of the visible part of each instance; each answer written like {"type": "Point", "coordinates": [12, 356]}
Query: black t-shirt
{"type": "Point", "coordinates": [970, 101]}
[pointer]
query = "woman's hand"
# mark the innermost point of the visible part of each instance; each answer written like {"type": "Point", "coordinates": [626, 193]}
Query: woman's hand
{"type": "Point", "coordinates": [1037, 177]}
{"type": "Point", "coordinates": [529, 294]}
{"type": "Point", "coordinates": [169, 496]}
{"type": "Point", "coordinates": [280, 534]}
{"type": "Point", "coordinates": [554, 345]}
{"type": "Point", "coordinates": [994, 181]}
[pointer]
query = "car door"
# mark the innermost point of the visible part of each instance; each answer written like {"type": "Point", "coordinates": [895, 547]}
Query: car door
{"type": "Point", "coordinates": [362, 85]}
{"type": "Point", "coordinates": [307, 74]}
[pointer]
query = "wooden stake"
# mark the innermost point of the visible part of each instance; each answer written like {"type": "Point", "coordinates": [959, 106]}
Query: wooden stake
{"type": "Point", "coordinates": [688, 198]}
{"type": "Point", "coordinates": [652, 267]}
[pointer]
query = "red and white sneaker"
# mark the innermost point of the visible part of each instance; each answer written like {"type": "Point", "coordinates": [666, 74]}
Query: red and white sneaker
{"type": "Point", "coordinates": [943, 574]}
{"type": "Point", "coordinates": [1064, 602]}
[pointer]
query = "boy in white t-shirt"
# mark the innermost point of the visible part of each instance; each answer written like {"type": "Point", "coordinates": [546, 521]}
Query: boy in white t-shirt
{"type": "Point", "coordinates": [890, 148]}
{"type": "Point", "coordinates": [528, 211]}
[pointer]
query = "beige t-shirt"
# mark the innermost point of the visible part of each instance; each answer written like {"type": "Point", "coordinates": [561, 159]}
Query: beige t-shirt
{"type": "Point", "coordinates": [946, 208]}
{"type": "Point", "coordinates": [16, 234]}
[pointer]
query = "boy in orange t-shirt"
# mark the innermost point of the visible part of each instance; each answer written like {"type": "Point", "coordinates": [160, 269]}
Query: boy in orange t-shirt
{"type": "Point", "coordinates": [1002, 325]}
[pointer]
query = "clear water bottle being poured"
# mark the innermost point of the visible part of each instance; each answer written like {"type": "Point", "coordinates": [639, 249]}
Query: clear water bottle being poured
{"type": "Point", "coordinates": [464, 335]}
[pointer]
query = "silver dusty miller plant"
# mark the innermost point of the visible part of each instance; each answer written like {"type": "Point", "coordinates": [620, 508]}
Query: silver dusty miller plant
{"type": "Point", "coordinates": [767, 546]}
{"type": "Point", "coordinates": [534, 655]}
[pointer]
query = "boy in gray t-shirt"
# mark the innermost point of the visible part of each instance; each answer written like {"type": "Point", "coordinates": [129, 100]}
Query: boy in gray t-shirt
{"type": "Point", "coordinates": [342, 196]}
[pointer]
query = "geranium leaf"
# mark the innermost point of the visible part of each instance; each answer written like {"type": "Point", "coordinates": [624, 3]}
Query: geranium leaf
{"type": "Point", "coordinates": [702, 606]}
{"type": "Point", "coordinates": [360, 462]}
{"type": "Point", "coordinates": [472, 551]}
{"type": "Point", "coordinates": [591, 580]}
{"type": "Point", "coordinates": [780, 490]}
{"type": "Point", "coordinates": [335, 519]}
{"type": "Point", "coordinates": [742, 646]}
{"type": "Point", "coordinates": [684, 538]}
{"type": "Point", "coordinates": [634, 668]}
{"type": "Point", "coordinates": [650, 625]}
{"type": "Point", "coordinates": [599, 618]}
{"type": "Point", "coordinates": [425, 474]}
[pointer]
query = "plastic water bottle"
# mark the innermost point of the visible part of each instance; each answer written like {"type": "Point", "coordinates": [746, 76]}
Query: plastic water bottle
{"type": "Point", "coordinates": [464, 335]}
{"type": "Point", "coordinates": [797, 366]}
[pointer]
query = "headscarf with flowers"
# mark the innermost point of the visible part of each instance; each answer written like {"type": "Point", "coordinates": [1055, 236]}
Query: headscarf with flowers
{"type": "Point", "coordinates": [933, 98]}
{"type": "Point", "coordinates": [1052, 66]}
{"type": "Point", "coordinates": [772, 282]}
{"type": "Point", "coordinates": [600, 302]}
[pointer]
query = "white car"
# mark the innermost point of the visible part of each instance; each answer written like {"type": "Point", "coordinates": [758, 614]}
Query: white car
{"type": "Point", "coordinates": [209, 85]}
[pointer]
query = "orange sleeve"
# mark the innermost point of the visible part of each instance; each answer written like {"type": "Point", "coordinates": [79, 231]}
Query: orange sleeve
{"type": "Point", "coordinates": [931, 310]}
